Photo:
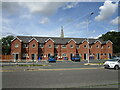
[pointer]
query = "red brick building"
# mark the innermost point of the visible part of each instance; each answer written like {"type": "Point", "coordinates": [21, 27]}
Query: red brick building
{"type": "Point", "coordinates": [35, 48]}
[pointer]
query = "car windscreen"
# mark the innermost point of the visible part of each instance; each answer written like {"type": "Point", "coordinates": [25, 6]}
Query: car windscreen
{"type": "Point", "coordinates": [51, 56]}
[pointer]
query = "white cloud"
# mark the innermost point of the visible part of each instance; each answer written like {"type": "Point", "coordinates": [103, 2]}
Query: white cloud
{"type": "Point", "coordinates": [45, 8]}
{"type": "Point", "coordinates": [70, 5]}
{"type": "Point", "coordinates": [18, 8]}
{"type": "Point", "coordinates": [44, 20]}
{"type": "Point", "coordinates": [116, 21]}
{"type": "Point", "coordinates": [107, 10]}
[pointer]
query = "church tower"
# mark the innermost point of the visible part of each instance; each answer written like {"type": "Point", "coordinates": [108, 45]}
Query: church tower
{"type": "Point", "coordinates": [62, 33]}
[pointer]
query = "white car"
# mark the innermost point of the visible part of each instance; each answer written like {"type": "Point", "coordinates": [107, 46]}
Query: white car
{"type": "Point", "coordinates": [113, 63]}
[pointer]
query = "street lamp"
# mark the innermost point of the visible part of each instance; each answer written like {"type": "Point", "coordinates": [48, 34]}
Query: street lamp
{"type": "Point", "coordinates": [87, 33]}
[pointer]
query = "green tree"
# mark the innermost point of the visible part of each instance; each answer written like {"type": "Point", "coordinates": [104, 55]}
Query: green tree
{"type": "Point", "coordinates": [6, 44]}
{"type": "Point", "coordinates": [115, 38]}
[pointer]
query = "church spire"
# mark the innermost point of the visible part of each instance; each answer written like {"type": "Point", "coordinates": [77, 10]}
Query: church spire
{"type": "Point", "coordinates": [62, 33]}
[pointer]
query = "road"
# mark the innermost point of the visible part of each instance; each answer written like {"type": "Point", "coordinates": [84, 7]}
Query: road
{"type": "Point", "coordinates": [66, 77]}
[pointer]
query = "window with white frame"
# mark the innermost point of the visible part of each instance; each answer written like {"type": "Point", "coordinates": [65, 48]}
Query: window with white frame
{"type": "Point", "coordinates": [63, 46]}
{"type": "Point", "coordinates": [41, 45]}
{"type": "Point", "coordinates": [49, 46]}
{"type": "Point", "coordinates": [97, 46]}
{"type": "Point", "coordinates": [85, 46]}
{"type": "Point", "coordinates": [55, 46]}
{"type": "Point", "coordinates": [33, 45]}
{"type": "Point", "coordinates": [25, 45]}
{"type": "Point", "coordinates": [64, 54]}
{"type": "Point", "coordinates": [80, 55]}
{"type": "Point", "coordinates": [91, 46]}
{"type": "Point", "coordinates": [102, 47]}
{"type": "Point", "coordinates": [108, 46]}
{"type": "Point", "coordinates": [71, 46]}
{"type": "Point", "coordinates": [16, 45]}
{"type": "Point", "coordinates": [24, 55]}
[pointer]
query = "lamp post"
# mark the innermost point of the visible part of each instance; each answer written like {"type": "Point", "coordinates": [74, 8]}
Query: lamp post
{"type": "Point", "coordinates": [87, 33]}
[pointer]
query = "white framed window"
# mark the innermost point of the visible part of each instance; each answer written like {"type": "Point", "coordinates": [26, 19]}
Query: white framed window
{"type": "Point", "coordinates": [55, 46]}
{"type": "Point", "coordinates": [16, 45]}
{"type": "Point", "coordinates": [25, 45]}
{"type": "Point", "coordinates": [85, 46]}
{"type": "Point", "coordinates": [80, 54]}
{"type": "Point", "coordinates": [24, 55]}
{"type": "Point", "coordinates": [41, 45]}
{"type": "Point", "coordinates": [33, 45]}
{"type": "Point", "coordinates": [90, 46]}
{"type": "Point", "coordinates": [64, 54]}
{"type": "Point", "coordinates": [102, 47]}
{"type": "Point", "coordinates": [71, 46]}
{"type": "Point", "coordinates": [63, 46]}
{"type": "Point", "coordinates": [49, 46]}
{"type": "Point", "coordinates": [97, 46]}
{"type": "Point", "coordinates": [108, 46]}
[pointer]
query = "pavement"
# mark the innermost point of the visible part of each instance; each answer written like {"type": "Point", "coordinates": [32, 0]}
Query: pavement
{"type": "Point", "coordinates": [66, 65]}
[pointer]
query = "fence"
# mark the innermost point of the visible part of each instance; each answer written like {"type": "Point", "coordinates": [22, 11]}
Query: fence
{"type": "Point", "coordinates": [5, 58]}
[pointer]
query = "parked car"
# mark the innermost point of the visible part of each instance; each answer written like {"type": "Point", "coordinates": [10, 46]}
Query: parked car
{"type": "Point", "coordinates": [75, 58]}
{"type": "Point", "coordinates": [115, 57]}
{"type": "Point", "coordinates": [51, 59]}
{"type": "Point", "coordinates": [113, 63]}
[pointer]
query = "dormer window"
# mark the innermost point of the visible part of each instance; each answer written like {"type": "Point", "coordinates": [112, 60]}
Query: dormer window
{"type": "Point", "coordinates": [16, 45]}
{"type": "Point", "coordinates": [71, 46]}
{"type": "Point", "coordinates": [41, 45]}
{"type": "Point", "coordinates": [33, 45]}
{"type": "Point", "coordinates": [63, 46]}
{"type": "Point", "coordinates": [85, 46]}
{"type": "Point", "coordinates": [97, 46]}
{"type": "Point", "coordinates": [25, 46]}
{"type": "Point", "coordinates": [49, 46]}
{"type": "Point", "coordinates": [102, 47]}
{"type": "Point", "coordinates": [90, 46]}
{"type": "Point", "coordinates": [55, 46]}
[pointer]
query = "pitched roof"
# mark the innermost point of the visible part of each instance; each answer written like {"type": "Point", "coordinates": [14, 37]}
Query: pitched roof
{"type": "Point", "coordinates": [57, 40]}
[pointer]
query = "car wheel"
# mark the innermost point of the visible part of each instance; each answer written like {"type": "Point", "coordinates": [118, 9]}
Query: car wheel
{"type": "Point", "coordinates": [116, 67]}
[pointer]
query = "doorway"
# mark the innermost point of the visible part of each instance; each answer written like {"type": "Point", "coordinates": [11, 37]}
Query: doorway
{"type": "Point", "coordinates": [33, 56]}
{"type": "Point", "coordinates": [71, 55]}
{"type": "Point", "coordinates": [109, 56]}
{"type": "Point", "coordinates": [98, 56]}
{"type": "Point", "coordinates": [85, 56]}
{"type": "Point", "coordinates": [16, 57]}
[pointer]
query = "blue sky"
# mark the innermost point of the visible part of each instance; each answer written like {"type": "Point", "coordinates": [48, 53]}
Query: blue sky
{"type": "Point", "coordinates": [46, 18]}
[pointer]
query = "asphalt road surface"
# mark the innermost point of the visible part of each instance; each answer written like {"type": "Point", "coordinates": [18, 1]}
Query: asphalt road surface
{"type": "Point", "coordinates": [81, 78]}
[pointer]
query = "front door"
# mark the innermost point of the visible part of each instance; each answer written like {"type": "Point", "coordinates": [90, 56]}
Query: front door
{"type": "Point", "coordinates": [33, 56]}
{"type": "Point", "coordinates": [98, 56]}
{"type": "Point", "coordinates": [109, 56]}
{"type": "Point", "coordinates": [71, 55]}
{"type": "Point", "coordinates": [85, 56]}
{"type": "Point", "coordinates": [15, 57]}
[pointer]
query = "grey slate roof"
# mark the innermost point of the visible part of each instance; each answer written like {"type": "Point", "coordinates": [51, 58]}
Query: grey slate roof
{"type": "Point", "coordinates": [57, 40]}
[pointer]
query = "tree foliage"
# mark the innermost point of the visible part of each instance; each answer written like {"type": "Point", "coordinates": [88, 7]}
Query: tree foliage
{"type": "Point", "coordinates": [115, 38]}
{"type": "Point", "coordinates": [6, 44]}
